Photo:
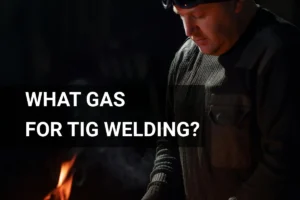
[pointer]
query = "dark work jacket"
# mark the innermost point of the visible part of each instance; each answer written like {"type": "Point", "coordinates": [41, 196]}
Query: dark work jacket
{"type": "Point", "coordinates": [247, 103]}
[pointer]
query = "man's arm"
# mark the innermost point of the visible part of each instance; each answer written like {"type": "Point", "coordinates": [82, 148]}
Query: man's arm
{"type": "Point", "coordinates": [165, 179]}
{"type": "Point", "coordinates": [278, 111]}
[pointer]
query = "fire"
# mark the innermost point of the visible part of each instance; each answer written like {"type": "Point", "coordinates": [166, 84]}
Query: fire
{"type": "Point", "coordinates": [64, 185]}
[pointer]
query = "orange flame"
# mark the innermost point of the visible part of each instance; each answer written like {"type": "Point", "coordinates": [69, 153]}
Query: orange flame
{"type": "Point", "coordinates": [64, 185]}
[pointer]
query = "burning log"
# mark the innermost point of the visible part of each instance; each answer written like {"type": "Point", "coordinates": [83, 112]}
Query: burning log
{"type": "Point", "coordinates": [64, 185]}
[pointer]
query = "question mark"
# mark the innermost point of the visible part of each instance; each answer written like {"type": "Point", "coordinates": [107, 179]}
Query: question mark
{"type": "Point", "coordinates": [197, 125]}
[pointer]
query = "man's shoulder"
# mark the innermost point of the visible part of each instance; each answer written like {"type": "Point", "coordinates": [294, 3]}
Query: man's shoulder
{"type": "Point", "coordinates": [275, 39]}
{"type": "Point", "coordinates": [182, 59]}
{"type": "Point", "coordinates": [185, 50]}
{"type": "Point", "coordinates": [279, 33]}
{"type": "Point", "coordinates": [187, 45]}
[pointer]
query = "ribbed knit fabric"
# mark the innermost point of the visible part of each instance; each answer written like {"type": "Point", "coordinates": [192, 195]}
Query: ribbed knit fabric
{"type": "Point", "coordinates": [195, 69]}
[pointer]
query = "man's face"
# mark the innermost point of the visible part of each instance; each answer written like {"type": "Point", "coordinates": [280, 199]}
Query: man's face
{"type": "Point", "coordinates": [213, 26]}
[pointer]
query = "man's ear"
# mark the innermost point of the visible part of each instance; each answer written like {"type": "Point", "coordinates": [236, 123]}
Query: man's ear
{"type": "Point", "coordinates": [175, 10]}
{"type": "Point", "coordinates": [239, 5]}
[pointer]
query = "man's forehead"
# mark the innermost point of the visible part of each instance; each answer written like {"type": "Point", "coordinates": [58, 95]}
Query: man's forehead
{"type": "Point", "coordinates": [198, 8]}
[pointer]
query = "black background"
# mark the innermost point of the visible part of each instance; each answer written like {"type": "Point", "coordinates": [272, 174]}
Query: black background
{"type": "Point", "coordinates": [65, 42]}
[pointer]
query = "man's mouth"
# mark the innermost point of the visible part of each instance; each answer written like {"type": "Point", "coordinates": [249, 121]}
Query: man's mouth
{"type": "Point", "coordinates": [200, 42]}
{"type": "Point", "coordinates": [199, 39]}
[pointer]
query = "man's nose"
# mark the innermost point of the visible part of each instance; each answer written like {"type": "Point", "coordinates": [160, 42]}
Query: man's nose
{"type": "Point", "coordinates": [189, 27]}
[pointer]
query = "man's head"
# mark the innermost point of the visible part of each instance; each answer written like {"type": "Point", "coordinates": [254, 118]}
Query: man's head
{"type": "Point", "coordinates": [215, 27]}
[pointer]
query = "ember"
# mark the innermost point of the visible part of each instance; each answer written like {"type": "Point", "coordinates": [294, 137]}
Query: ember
{"type": "Point", "coordinates": [63, 188]}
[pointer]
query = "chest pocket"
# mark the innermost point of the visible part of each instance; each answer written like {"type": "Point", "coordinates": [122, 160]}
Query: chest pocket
{"type": "Point", "coordinates": [229, 119]}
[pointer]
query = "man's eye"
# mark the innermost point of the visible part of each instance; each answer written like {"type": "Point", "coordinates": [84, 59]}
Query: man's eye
{"type": "Point", "coordinates": [197, 16]}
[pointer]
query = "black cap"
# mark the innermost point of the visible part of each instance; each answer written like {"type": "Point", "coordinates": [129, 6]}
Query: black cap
{"type": "Point", "coordinates": [187, 3]}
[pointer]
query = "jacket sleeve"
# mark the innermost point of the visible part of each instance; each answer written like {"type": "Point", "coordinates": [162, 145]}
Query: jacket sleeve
{"type": "Point", "coordinates": [278, 111]}
{"type": "Point", "coordinates": [165, 178]}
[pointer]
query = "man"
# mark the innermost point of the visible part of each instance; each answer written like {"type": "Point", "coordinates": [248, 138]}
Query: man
{"type": "Point", "coordinates": [245, 59]}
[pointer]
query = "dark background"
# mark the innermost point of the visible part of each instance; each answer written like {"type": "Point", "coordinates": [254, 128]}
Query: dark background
{"type": "Point", "coordinates": [66, 42]}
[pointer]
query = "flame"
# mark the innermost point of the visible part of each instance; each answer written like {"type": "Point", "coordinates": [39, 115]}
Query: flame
{"type": "Point", "coordinates": [64, 185]}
